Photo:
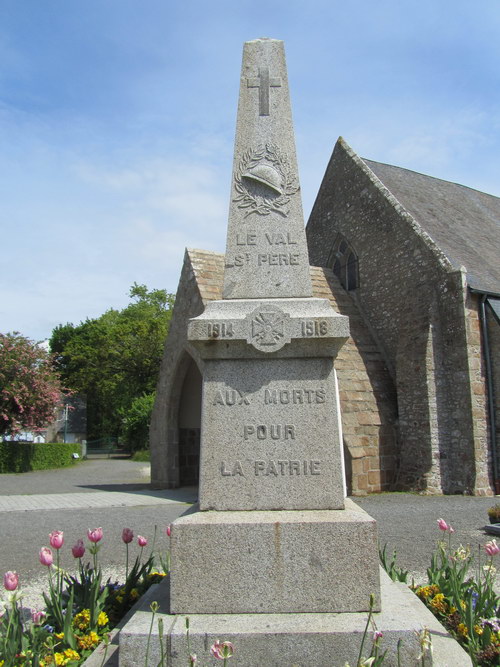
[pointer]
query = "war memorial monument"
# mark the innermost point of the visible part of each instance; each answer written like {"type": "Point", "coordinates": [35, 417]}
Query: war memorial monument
{"type": "Point", "coordinates": [274, 558]}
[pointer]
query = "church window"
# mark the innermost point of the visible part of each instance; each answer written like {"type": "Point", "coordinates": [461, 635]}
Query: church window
{"type": "Point", "coordinates": [344, 263]}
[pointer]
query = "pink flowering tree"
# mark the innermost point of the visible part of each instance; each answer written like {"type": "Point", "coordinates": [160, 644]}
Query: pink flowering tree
{"type": "Point", "coordinates": [30, 390]}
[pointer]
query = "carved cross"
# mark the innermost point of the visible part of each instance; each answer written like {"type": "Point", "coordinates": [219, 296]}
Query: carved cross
{"type": "Point", "coordinates": [264, 82]}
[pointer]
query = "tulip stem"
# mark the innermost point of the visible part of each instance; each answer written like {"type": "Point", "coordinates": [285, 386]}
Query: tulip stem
{"type": "Point", "coordinates": [370, 614]}
{"type": "Point", "coordinates": [149, 637]}
{"type": "Point", "coordinates": [58, 575]}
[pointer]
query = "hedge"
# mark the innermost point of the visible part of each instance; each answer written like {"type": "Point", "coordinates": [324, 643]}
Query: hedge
{"type": "Point", "coordinates": [26, 456]}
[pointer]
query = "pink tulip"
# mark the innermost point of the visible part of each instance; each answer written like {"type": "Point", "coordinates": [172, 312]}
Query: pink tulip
{"type": "Point", "coordinates": [78, 549]}
{"type": "Point", "coordinates": [10, 580]}
{"type": "Point", "coordinates": [94, 535]}
{"type": "Point", "coordinates": [38, 617]}
{"type": "Point", "coordinates": [442, 525]}
{"type": "Point", "coordinates": [56, 539]}
{"type": "Point", "coordinates": [127, 535]}
{"type": "Point", "coordinates": [46, 557]}
{"type": "Point", "coordinates": [169, 530]}
{"type": "Point", "coordinates": [222, 650]}
{"type": "Point", "coordinates": [142, 541]}
{"type": "Point", "coordinates": [492, 548]}
{"type": "Point", "coordinates": [377, 635]}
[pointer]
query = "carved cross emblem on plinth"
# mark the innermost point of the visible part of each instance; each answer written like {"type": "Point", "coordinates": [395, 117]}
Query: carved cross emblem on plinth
{"type": "Point", "coordinates": [268, 330]}
{"type": "Point", "coordinates": [264, 82]}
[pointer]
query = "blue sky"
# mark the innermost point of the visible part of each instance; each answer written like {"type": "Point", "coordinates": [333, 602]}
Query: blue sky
{"type": "Point", "coordinates": [117, 122]}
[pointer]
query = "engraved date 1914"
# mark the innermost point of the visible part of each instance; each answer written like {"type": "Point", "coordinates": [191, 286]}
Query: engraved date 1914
{"type": "Point", "coordinates": [220, 330]}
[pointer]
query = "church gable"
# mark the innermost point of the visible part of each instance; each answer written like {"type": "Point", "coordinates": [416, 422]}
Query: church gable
{"type": "Point", "coordinates": [412, 296]}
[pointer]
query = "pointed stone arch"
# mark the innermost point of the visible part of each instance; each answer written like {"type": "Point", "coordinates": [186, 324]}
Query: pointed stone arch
{"type": "Point", "coordinates": [175, 426]}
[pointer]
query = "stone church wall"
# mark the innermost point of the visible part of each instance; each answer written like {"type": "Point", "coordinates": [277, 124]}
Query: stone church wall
{"type": "Point", "coordinates": [414, 304]}
{"type": "Point", "coordinates": [494, 340]}
{"type": "Point", "coordinates": [479, 397]}
{"type": "Point", "coordinates": [367, 398]}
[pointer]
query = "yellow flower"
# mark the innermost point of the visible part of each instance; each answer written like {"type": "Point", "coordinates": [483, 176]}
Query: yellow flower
{"type": "Point", "coordinates": [88, 641]}
{"type": "Point", "coordinates": [478, 630]}
{"type": "Point", "coordinates": [423, 592]}
{"type": "Point", "coordinates": [438, 603]}
{"type": "Point", "coordinates": [134, 594]}
{"type": "Point", "coordinates": [463, 604]}
{"type": "Point", "coordinates": [59, 658]}
{"type": "Point", "coordinates": [462, 630]}
{"type": "Point", "coordinates": [427, 591]}
{"type": "Point", "coordinates": [82, 619]}
{"type": "Point", "coordinates": [462, 553]}
{"type": "Point", "coordinates": [69, 654]}
{"type": "Point", "coordinates": [59, 635]}
{"type": "Point", "coordinates": [102, 619]}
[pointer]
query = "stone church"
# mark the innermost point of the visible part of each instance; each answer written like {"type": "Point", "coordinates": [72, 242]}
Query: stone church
{"type": "Point", "coordinates": [414, 262]}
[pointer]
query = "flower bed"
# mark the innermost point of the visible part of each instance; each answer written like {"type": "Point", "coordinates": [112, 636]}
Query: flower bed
{"type": "Point", "coordinates": [460, 593]}
{"type": "Point", "coordinates": [80, 609]}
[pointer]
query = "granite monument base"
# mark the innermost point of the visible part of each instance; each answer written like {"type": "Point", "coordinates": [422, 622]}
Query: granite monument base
{"type": "Point", "coordinates": [298, 561]}
{"type": "Point", "coordinates": [293, 640]}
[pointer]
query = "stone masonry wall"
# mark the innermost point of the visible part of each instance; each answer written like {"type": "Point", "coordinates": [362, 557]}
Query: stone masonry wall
{"type": "Point", "coordinates": [484, 482]}
{"type": "Point", "coordinates": [494, 339]}
{"type": "Point", "coordinates": [367, 397]}
{"type": "Point", "coordinates": [413, 301]}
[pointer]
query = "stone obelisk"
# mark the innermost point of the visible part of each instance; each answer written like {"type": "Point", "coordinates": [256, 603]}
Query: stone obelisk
{"type": "Point", "coordinates": [266, 252]}
{"type": "Point", "coordinates": [272, 534]}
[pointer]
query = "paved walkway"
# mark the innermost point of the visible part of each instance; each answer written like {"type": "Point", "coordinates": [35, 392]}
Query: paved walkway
{"type": "Point", "coordinates": [66, 501]}
{"type": "Point", "coordinates": [89, 484]}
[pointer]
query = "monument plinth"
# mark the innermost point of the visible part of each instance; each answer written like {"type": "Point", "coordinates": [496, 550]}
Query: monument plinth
{"type": "Point", "coordinates": [272, 534]}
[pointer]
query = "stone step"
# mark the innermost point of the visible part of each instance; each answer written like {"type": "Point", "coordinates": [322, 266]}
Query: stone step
{"type": "Point", "coordinates": [286, 640]}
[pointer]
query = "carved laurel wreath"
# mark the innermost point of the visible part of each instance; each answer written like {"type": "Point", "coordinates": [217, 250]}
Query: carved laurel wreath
{"type": "Point", "coordinates": [261, 204]}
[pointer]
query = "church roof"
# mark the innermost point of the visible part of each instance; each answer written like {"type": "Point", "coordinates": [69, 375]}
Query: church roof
{"type": "Point", "coordinates": [464, 223]}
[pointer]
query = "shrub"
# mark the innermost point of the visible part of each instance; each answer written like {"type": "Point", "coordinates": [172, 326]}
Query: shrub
{"type": "Point", "coordinates": [26, 456]}
{"type": "Point", "coordinates": [142, 455]}
{"type": "Point", "coordinates": [494, 513]}
{"type": "Point", "coordinates": [136, 420]}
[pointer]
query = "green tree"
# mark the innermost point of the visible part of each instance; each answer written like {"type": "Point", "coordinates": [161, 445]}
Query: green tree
{"type": "Point", "coordinates": [114, 358]}
{"type": "Point", "coordinates": [30, 390]}
{"type": "Point", "coordinates": [136, 419]}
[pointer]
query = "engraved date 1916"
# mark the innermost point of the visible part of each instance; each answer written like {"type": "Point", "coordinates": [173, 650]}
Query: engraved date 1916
{"type": "Point", "coordinates": [220, 330]}
{"type": "Point", "coordinates": [314, 327]}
